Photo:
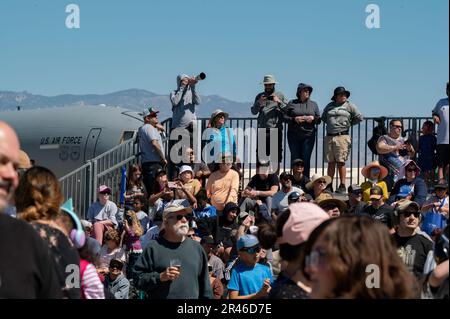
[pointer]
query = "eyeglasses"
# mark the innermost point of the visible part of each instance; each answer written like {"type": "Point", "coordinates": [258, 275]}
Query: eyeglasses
{"type": "Point", "coordinates": [315, 258]}
{"type": "Point", "coordinates": [407, 214]}
{"type": "Point", "coordinates": [397, 126]}
{"type": "Point", "coordinates": [180, 217]}
{"type": "Point", "coordinates": [252, 250]}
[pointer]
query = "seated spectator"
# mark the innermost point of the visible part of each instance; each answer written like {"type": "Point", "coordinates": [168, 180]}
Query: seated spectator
{"type": "Point", "coordinates": [91, 285]}
{"type": "Point", "coordinates": [411, 187]}
{"type": "Point", "coordinates": [280, 199]}
{"type": "Point", "coordinates": [133, 232]}
{"type": "Point", "coordinates": [153, 232]}
{"type": "Point", "coordinates": [188, 187]}
{"type": "Point", "coordinates": [317, 187]}
{"type": "Point", "coordinates": [339, 250]}
{"type": "Point", "coordinates": [375, 173]}
{"type": "Point", "coordinates": [262, 186]}
{"type": "Point", "coordinates": [300, 179]}
{"type": "Point", "coordinates": [393, 151]}
{"type": "Point", "coordinates": [201, 170]}
{"type": "Point", "coordinates": [435, 210]}
{"type": "Point", "coordinates": [115, 281]}
{"type": "Point", "coordinates": [427, 152]}
{"type": "Point", "coordinates": [333, 207]}
{"type": "Point", "coordinates": [103, 213]}
{"type": "Point", "coordinates": [216, 284]}
{"type": "Point", "coordinates": [355, 204]}
{"type": "Point", "coordinates": [161, 195]}
{"type": "Point", "coordinates": [378, 209]}
{"type": "Point", "coordinates": [110, 250]}
{"type": "Point", "coordinates": [139, 206]}
{"type": "Point", "coordinates": [203, 208]}
{"type": "Point", "coordinates": [223, 185]}
{"type": "Point", "coordinates": [249, 279]}
{"type": "Point", "coordinates": [135, 186]}
{"type": "Point", "coordinates": [217, 265]}
{"type": "Point", "coordinates": [413, 248]}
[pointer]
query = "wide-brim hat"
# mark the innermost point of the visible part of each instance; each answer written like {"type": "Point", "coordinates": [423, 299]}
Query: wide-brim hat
{"type": "Point", "coordinates": [151, 111]}
{"type": "Point", "coordinates": [24, 160]}
{"type": "Point", "coordinates": [339, 90]}
{"type": "Point", "coordinates": [366, 170]}
{"type": "Point", "coordinates": [340, 204]}
{"type": "Point", "coordinates": [217, 113]}
{"type": "Point", "coordinates": [186, 168]}
{"type": "Point", "coordinates": [174, 208]}
{"type": "Point", "coordinates": [315, 178]}
{"type": "Point", "coordinates": [269, 79]}
{"type": "Point", "coordinates": [402, 170]}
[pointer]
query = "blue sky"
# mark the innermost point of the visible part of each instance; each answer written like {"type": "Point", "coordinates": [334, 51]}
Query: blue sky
{"type": "Point", "coordinates": [399, 69]}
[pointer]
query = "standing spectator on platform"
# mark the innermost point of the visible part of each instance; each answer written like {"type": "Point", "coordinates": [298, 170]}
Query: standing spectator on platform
{"type": "Point", "coordinates": [151, 147]}
{"type": "Point", "coordinates": [339, 116]}
{"type": "Point", "coordinates": [262, 186]}
{"type": "Point", "coordinates": [441, 117]}
{"type": "Point", "coordinates": [378, 209]}
{"type": "Point", "coordinates": [375, 173]}
{"type": "Point", "coordinates": [25, 262]}
{"type": "Point", "coordinates": [162, 276]}
{"type": "Point", "coordinates": [355, 204]}
{"type": "Point", "coordinates": [223, 185]}
{"type": "Point", "coordinates": [135, 187]}
{"type": "Point", "coordinates": [115, 281]}
{"type": "Point", "coordinates": [336, 263]}
{"type": "Point", "coordinates": [412, 186]}
{"type": "Point", "coordinates": [269, 106]}
{"type": "Point", "coordinates": [427, 152]}
{"type": "Point", "coordinates": [290, 233]}
{"type": "Point", "coordinates": [221, 137]}
{"type": "Point", "coordinates": [280, 198]}
{"type": "Point", "coordinates": [298, 169]}
{"type": "Point", "coordinates": [249, 279]}
{"type": "Point", "coordinates": [393, 152]}
{"type": "Point", "coordinates": [38, 201]}
{"type": "Point", "coordinates": [102, 214]}
{"type": "Point", "coordinates": [412, 247]}
{"type": "Point", "coordinates": [317, 187]}
{"type": "Point", "coordinates": [302, 116]}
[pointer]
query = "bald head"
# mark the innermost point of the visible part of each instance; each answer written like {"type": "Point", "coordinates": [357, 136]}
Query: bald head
{"type": "Point", "coordinates": [9, 161]}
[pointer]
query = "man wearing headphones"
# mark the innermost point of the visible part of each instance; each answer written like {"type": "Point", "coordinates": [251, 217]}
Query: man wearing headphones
{"type": "Point", "coordinates": [412, 246]}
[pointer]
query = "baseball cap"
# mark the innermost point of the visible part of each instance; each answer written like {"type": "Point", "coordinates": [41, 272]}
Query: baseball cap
{"type": "Point", "coordinates": [173, 208]}
{"type": "Point", "coordinates": [376, 192]}
{"type": "Point", "coordinates": [404, 204]}
{"type": "Point", "coordinates": [103, 189]}
{"type": "Point", "coordinates": [247, 241]}
{"type": "Point", "coordinates": [185, 168]}
{"type": "Point", "coordinates": [151, 111]}
{"type": "Point", "coordinates": [302, 220]}
{"type": "Point", "coordinates": [298, 161]}
{"type": "Point", "coordinates": [354, 188]}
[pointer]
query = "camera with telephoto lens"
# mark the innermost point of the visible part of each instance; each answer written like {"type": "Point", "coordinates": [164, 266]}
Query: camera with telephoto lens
{"type": "Point", "coordinates": [201, 76]}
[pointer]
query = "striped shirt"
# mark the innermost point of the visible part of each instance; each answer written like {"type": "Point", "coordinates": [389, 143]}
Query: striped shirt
{"type": "Point", "coordinates": [92, 286]}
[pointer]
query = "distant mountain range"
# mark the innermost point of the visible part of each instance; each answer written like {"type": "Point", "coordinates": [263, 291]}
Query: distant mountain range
{"type": "Point", "coordinates": [133, 99]}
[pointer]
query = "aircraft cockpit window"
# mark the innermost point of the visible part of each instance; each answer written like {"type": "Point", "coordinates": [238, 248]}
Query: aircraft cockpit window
{"type": "Point", "coordinates": [127, 135]}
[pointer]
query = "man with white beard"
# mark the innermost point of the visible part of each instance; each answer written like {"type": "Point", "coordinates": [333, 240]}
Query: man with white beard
{"type": "Point", "coordinates": [174, 266]}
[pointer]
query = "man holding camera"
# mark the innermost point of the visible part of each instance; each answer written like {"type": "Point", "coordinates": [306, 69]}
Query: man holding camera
{"type": "Point", "coordinates": [269, 106]}
{"type": "Point", "coordinates": [394, 151]}
{"type": "Point", "coordinates": [184, 99]}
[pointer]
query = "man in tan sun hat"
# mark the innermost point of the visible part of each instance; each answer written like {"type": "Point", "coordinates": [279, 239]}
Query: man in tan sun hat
{"type": "Point", "coordinates": [269, 106]}
{"type": "Point", "coordinates": [317, 187]}
{"type": "Point", "coordinates": [375, 174]}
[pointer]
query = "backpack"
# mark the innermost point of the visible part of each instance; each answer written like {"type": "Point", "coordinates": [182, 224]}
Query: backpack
{"type": "Point", "coordinates": [372, 144]}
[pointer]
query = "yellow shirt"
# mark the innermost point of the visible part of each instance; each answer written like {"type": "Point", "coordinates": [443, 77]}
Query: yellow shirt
{"type": "Point", "coordinates": [366, 186]}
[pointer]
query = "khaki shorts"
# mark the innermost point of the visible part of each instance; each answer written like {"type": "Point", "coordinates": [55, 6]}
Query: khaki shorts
{"type": "Point", "coordinates": [338, 148]}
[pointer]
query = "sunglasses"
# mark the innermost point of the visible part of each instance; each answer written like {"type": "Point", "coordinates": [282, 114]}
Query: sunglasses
{"type": "Point", "coordinates": [315, 258]}
{"type": "Point", "coordinates": [407, 214]}
{"type": "Point", "coordinates": [321, 182]}
{"type": "Point", "coordinates": [180, 217]}
{"type": "Point", "coordinates": [397, 126]}
{"type": "Point", "coordinates": [252, 250]}
{"type": "Point", "coordinates": [357, 193]}
{"type": "Point", "coordinates": [115, 268]}
{"type": "Point", "coordinates": [411, 170]}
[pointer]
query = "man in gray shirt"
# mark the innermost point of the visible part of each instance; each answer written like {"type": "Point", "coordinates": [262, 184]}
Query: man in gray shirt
{"type": "Point", "coordinates": [151, 147]}
{"type": "Point", "coordinates": [440, 116]}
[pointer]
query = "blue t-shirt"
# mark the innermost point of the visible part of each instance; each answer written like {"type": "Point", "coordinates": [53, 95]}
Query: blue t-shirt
{"type": "Point", "coordinates": [248, 280]}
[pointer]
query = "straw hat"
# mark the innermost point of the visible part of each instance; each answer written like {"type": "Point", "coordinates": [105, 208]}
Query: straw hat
{"type": "Point", "coordinates": [315, 178]}
{"type": "Point", "coordinates": [366, 170]}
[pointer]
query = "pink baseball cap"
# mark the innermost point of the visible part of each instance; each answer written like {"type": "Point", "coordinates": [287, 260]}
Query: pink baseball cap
{"type": "Point", "coordinates": [103, 189]}
{"type": "Point", "coordinates": [303, 219]}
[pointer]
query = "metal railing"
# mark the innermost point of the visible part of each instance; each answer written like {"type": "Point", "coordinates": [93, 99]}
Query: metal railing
{"type": "Point", "coordinates": [82, 183]}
